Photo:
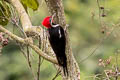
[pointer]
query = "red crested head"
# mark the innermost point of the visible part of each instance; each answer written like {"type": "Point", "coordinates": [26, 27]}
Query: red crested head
{"type": "Point", "coordinates": [46, 22]}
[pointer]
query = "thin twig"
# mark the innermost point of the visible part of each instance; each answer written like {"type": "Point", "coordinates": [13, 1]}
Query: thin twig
{"type": "Point", "coordinates": [15, 20]}
{"type": "Point", "coordinates": [27, 58]}
{"type": "Point", "coordinates": [116, 68]}
{"type": "Point", "coordinates": [39, 62]}
{"type": "Point", "coordinates": [58, 73]}
{"type": "Point", "coordinates": [107, 75]}
{"type": "Point", "coordinates": [22, 50]}
{"type": "Point", "coordinates": [99, 10]}
{"type": "Point", "coordinates": [24, 18]}
{"type": "Point", "coordinates": [29, 62]}
{"type": "Point", "coordinates": [99, 44]}
{"type": "Point", "coordinates": [38, 71]}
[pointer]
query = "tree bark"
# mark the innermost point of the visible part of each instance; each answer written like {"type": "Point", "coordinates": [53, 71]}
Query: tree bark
{"type": "Point", "coordinates": [56, 7]}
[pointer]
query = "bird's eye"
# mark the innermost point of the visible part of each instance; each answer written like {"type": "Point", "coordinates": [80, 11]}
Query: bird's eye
{"type": "Point", "coordinates": [50, 20]}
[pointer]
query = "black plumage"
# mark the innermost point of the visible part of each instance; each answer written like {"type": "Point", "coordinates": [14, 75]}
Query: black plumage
{"type": "Point", "coordinates": [58, 42]}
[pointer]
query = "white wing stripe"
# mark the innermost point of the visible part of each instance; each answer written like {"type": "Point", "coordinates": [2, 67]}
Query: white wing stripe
{"type": "Point", "coordinates": [60, 34]}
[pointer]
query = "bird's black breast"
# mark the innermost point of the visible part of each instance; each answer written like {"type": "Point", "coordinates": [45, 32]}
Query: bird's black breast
{"type": "Point", "coordinates": [57, 40]}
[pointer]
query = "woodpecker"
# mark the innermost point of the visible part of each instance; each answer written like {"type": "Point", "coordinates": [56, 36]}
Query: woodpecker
{"type": "Point", "coordinates": [57, 41]}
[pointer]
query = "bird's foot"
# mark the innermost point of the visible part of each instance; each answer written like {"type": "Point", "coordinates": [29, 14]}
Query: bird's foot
{"type": "Point", "coordinates": [66, 26]}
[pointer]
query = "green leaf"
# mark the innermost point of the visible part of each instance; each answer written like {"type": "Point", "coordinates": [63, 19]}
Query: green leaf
{"type": "Point", "coordinates": [4, 13]}
{"type": "Point", "coordinates": [31, 4]}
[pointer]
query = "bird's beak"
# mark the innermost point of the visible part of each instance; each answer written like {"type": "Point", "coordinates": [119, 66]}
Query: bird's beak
{"type": "Point", "coordinates": [52, 18]}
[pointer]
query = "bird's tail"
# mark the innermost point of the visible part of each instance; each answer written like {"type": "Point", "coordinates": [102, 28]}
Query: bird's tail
{"type": "Point", "coordinates": [65, 69]}
{"type": "Point", "coordinates": [63, 62]}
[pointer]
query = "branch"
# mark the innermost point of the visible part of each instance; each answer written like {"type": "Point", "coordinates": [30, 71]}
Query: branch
{"type": "Point", "coordinates": [24, 18]}
{"type": "Point", "coordinates": [27, 42]}
{"type": "Point", "coordinates": [28, 27]}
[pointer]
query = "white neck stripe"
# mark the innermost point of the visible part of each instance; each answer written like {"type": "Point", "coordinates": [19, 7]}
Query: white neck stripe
{"type": "Point", "coordinates": [55, 25]}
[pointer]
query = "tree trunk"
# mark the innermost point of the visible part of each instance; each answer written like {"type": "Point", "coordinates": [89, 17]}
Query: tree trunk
{"type": "Point", "coordinates": [56, 6]}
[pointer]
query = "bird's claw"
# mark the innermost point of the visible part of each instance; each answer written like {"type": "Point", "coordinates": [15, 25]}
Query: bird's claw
{"type": "Point", "coordinates": [66, 26]}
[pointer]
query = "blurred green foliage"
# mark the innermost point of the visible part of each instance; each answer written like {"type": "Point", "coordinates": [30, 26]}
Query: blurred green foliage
{"type": "Point", "coordinates": [4, 13]}
{"type": "Point", "coordinates": [85, 34]}
{"type": "Point", "coordinates": [31, 4]}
